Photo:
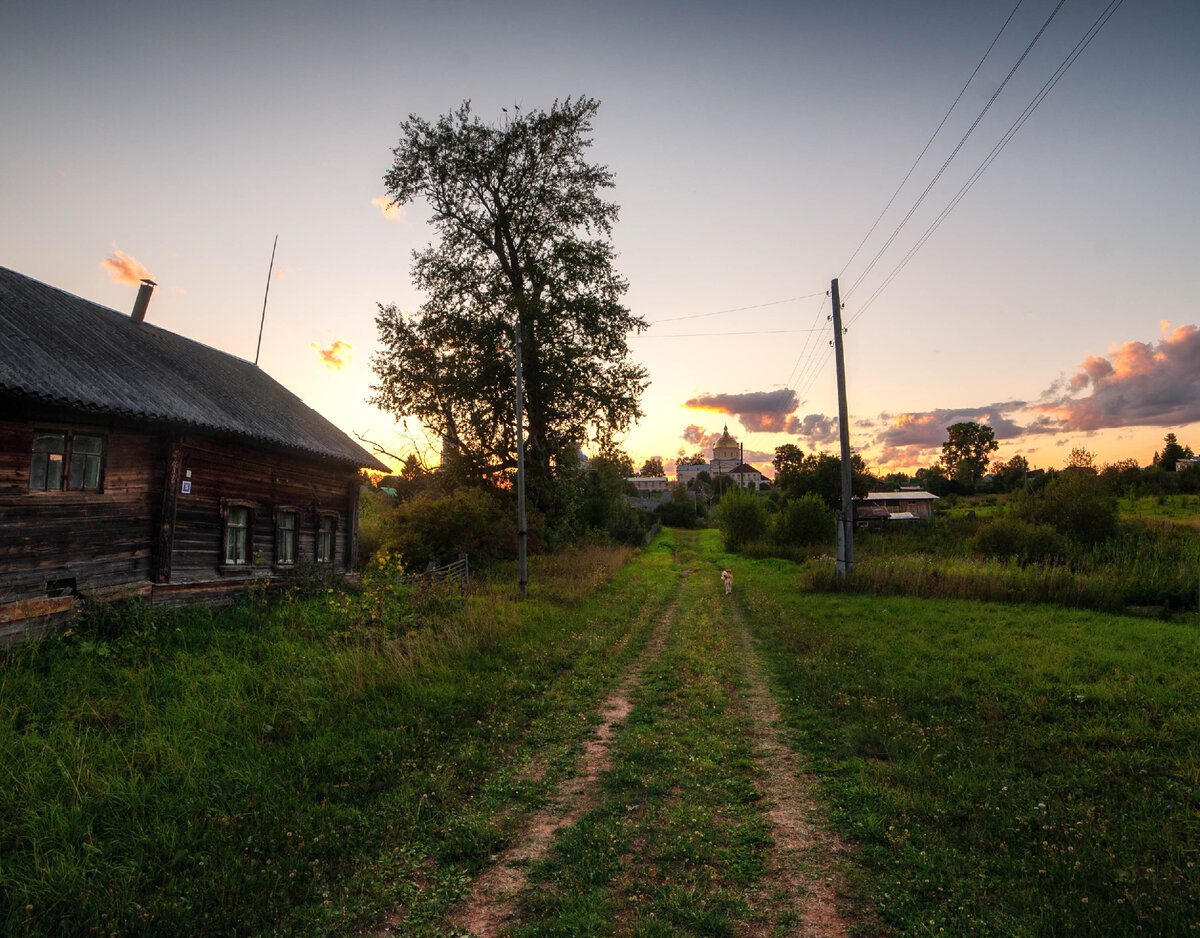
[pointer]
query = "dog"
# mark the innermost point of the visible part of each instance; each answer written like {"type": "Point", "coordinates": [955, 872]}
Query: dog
{"type": "Point", "coordinates": [727, 579]}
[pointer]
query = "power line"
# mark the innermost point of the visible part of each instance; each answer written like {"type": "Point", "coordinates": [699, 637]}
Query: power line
{"type": "Point", "coordinates": [739, 309]}
{"type": "Point", "coordinates": [816, 318]}
{"type": "Point", "coordinates": [929, 142]}
{"type": "Point", "coordinates": [970, 130]}
{"type": "Point", "coordinates": [811, 347]}
{"type": "Point", "coordinates": [696, 335]}
{"type": "Point", "coordinates": [1032, 106]}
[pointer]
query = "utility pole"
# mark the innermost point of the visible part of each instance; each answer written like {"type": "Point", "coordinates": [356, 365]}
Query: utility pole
{"type": "Point", "coordinates": [522, 532]}
{"type": "Point", "coordinates": [845, 530]}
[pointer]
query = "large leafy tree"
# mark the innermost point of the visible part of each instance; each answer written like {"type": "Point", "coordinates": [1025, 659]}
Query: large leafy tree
{"type": "Point", "coordinates": [817, 474]}
{"type": "Point", "coordinates": [966, 451]}
{"type": "Point", "coordinates": [523, 238]}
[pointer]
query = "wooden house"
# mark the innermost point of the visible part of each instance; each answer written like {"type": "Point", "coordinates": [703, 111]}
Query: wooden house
{"type": "Point", "coordinates": [907, 504]}
{"type": "Point", "coordinates": [134, 461]}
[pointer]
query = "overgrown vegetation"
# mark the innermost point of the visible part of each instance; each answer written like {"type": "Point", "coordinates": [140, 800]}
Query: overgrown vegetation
{"type": "Point", "coordinates": [299, 767]}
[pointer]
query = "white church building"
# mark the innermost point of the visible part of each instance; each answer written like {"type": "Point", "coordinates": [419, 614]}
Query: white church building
{"type": "Point", "coordinates": [726, 460]}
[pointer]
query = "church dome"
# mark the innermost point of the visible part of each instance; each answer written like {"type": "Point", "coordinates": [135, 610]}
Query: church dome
{"type": "Point", "coordinates": [726, 440]}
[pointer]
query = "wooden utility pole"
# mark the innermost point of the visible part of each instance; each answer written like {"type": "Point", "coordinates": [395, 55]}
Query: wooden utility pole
{"type": "Point", "coordinates": [522, 532]}
{"type": "Point", "coordinates": [845, 531]}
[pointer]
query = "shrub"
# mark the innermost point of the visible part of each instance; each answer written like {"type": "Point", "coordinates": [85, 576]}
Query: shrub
{"type": "Point", "coordinates": [679, 511]}
{"type": "Point", "coordinates": [804, 520]}
{"type": "Point", "coordinates": [1076, 504]}
{"type": "Point", "coordinates": [742, 518]}
{"type": "Point", "coordinates": [437, 528]}
{"type": "Point", "coordinates": [1010, 538]}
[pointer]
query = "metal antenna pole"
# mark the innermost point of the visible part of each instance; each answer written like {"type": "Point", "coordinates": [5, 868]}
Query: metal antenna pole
{"type": "Point", "coordinates": [845, 541]}
{"type": "Point", "coordinates": [522, 531]}
{"type": "Point", "coordinates": [263, 320]}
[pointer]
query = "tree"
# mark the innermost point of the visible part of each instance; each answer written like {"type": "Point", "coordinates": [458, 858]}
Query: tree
{"type": "Point", "coordinates": [652, 468]}
{"type": "Point", "coordinates": [1171, 453]}
{"type": "Point", "coordinates": [1082, 460]}
{"type": "Point", "coordinates": [523, 237]}
{"type": "Point", "coordinates": [1010, 475]}
{"type": "Point", "coordinates": [965, 452]}
{"type": "Point", "coordinates": [788, 463]}
{"type": "Point", "coordinates": [696, 459]}
{"type": "Point", "coordinates": [818, 474]}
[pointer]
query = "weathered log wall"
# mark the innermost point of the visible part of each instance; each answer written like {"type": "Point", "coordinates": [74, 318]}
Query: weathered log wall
{"type": "Point", "coordinates": [142, 528]}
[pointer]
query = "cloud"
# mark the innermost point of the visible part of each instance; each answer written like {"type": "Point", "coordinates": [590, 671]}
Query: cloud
{"type": "Point", "coordinates": [758, 411]}
{"type": "Point", "coordinates": [178, 291]}
{"type": "Point", "coordinates": [816, 429]}
{"type": "Point", "coordinates": [694, 434]}
{"type": "Point", "coordinates": [1136, 384]}
{"type": "Point", "coordinates": [336, 356]}
{"type": "Point", "coordinates": [391, 210]}
{"type": "Point", "coordinates": [124, 269]}
{"type": "Point", "coordinates": [927, 429]}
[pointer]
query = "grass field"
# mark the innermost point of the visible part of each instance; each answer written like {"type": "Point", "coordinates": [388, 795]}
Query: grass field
{"type": "Point", "coordinates": [298, 768]}
{"type": "Point", "coordinates": [1007, 770]}
{"type": "Point", "coordinates": [306, 768]}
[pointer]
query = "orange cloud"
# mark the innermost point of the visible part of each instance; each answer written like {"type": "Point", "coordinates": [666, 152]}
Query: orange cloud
{"type": "Point", "coordinates": [336, 356]}
{"type": "Point", "coordinates": [391, 210]}
{"type": "Point", "coordinates": [124, 269]}
{"type": "Point", "coordinates": [1137, 384]}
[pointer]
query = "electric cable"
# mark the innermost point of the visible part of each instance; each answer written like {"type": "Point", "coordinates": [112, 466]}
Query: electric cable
{"type": "Point", "coordinates": [929, 142]}
{"type": "Point", "coordinates": [1032, 106]}
{"type": "Point", "coordinates": [970, 130]}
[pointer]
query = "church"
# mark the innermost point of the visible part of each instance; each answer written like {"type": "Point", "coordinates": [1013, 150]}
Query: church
{"type": "Point", "coordinates": [726, 460]}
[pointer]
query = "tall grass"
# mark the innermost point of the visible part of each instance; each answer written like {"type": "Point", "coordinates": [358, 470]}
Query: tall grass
{"type": "Point", "coordinates": [1144, 565]}
{"type": "Point", "coordinates": [298, 767]}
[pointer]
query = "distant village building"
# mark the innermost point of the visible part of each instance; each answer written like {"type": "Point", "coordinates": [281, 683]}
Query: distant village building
{"type": "Point", "coordinates": [726, 461]}
{"type": "Point", "coordinates": [909, 504]}
{"type": "Point", "coordinates": [135, 462]}
{"type": "Point", "coordinates": [1186, 463]}
{"type": "Point", "coordinates": [649, 485]}
{"type": "Point", "coordinates": [745, 475]}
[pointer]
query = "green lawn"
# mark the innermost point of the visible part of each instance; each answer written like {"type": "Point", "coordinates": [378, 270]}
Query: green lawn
{"type": "Point", "coordinates": [1008, 770]}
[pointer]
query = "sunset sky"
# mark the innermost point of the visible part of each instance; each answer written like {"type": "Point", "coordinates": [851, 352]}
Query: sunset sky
{"type": "Point", "coordinates": [754, 147]}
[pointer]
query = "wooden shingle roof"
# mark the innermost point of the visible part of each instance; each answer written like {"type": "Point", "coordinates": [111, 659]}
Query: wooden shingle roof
{"type": "Point", "coordinates": [63, 349]}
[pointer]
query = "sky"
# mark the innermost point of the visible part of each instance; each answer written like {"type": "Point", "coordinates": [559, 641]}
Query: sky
{"type": "Point", "coordinates": [759, 151]}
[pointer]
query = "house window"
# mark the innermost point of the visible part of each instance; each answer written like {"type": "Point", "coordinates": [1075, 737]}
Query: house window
{"type": "Point", "coordinates": [325, 539]}
{"type": "Point", "coordinates": [237, 524]}
{"type": "Point", "coordinates": [64, 460]}
{"type": "Point", "coordinates": [285, 537]}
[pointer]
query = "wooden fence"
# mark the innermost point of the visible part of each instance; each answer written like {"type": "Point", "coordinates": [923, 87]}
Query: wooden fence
{"type": "Point", "coordinates": [457, 572]}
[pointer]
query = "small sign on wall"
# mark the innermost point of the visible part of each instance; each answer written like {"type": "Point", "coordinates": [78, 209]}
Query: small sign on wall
{"type": "Point", "coordinates": [187, 486]}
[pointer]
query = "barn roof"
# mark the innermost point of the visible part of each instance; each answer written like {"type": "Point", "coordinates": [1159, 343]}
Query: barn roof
{"type": "Point", "coordinates": [903, 496]}
{"type": "Point", "coordinates": [66, 350]}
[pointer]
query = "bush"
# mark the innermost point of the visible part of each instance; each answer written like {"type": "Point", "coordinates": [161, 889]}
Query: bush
{"type": "Point", "coordinates": [679, 511]}
{"type": "Point", "coordinates": [804, 520]}
{"type": "Point", "coordinates": [1076, 504]}
{"type": "Point", "coordinates": [437, 528]}
{"type": "Point", "coordinates": [742, 518]}
{"type": "Point", "coordinates": [1010, 538]}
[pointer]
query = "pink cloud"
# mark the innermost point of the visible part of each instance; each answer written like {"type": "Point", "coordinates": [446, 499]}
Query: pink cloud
{"type": "Point", "coordinates": [125, 269]}
{"type": "Point", "coordinates": [336, 356]}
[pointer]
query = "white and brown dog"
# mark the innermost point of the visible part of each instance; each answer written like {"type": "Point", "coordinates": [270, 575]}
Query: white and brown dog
{"type": "Point", "coordinates": [727, 579]}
